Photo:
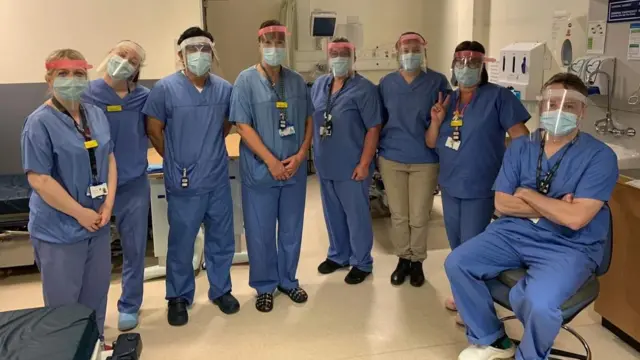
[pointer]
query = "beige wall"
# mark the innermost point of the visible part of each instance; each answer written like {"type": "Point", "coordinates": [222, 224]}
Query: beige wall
{"type": "Point", "coordinates": [30, 30]}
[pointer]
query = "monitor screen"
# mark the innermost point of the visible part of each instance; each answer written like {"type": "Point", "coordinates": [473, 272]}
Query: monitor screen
{"type": "Point", "coordinates": [323, 26]}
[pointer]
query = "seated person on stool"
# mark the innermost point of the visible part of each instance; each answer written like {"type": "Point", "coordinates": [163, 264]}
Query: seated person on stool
{"type": "Point", "coordinates": [551, 192]}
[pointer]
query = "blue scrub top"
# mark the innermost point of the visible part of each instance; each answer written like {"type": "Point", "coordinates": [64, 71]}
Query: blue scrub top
{"type": "Point", "coordinates": [127, 123]}
{"type": "Point", "coordinates": [469, 172]}
{"type": "Point", "coordinates": [407, 116]}
{"type": "Point", "coordinates": [253, 102]}
{"type": "Point", "coordinates": [193, 133]}
{"type": "Point", "coordinates": [357, 108]}
{"type": "Point", "coordinates": [589, 170]}
{"type": "Point", "coordinates": [51, 145]}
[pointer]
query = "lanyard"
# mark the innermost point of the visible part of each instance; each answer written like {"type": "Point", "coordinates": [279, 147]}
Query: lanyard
{"type": "Point", "coordinates": [85, 131]}
{"type": "Point", "coordinates": [281, 103]}
{"type": "Point", "coordinates": [543, 183]}
{"type": "Point", "coordinates": [331, 102]}
{"type": "Point", "coordinates": [456, 122]}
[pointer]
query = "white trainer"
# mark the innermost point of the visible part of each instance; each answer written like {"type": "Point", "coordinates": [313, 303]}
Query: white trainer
{"type": "Point", "coordinates": [475, 352]}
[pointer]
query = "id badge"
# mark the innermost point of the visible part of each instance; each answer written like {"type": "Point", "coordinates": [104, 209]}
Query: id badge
{"type": "Point", "coordinates": [452, 144]}
{"type": "Point", "coordinates": [114, 108]}
{"type": "Point", "coordinates": [289, 130]}
{"type": "Point", "coordinates": [91, 144]}
{"type": "Point", "coordinates": [325, 131]}
{"type": "Point", "coordinates": [282, 105]}
{"type": "Point", "coordinates": [184, 181]}
{"type": "Point", "coordinates": [98, 191]}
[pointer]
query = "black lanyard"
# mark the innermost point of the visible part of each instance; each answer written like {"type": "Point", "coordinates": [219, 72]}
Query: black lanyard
{"type": "Point", "coordinates": [85, 131]}
{"type": "Point", "coordinates": [543, 183]}
{"type": "Point", "coordinates": [331, 102]}
{"type": "Point", "coordinates": [280, 96]}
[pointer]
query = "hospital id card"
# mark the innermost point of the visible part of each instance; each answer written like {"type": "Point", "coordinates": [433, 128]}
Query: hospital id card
{"type": "Point", "coordinates": [452, 144]}
{"type": "Point", "coordinates": [289, 130]}
{"type": "Point", "coordinates": [98, 191]}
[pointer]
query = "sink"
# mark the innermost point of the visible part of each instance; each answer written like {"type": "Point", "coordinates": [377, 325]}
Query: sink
{"type": "Point", "coordinates": [627, 158]}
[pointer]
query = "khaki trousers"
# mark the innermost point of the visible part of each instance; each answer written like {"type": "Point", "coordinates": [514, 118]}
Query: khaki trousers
{"type": "Point", "coordinates": [409, 190]}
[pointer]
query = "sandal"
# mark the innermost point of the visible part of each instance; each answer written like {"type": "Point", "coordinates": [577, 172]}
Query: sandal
{"type": "Point", "coordinates": [297, 295]}
{"type": "Point", "coordinates": [264, 302]}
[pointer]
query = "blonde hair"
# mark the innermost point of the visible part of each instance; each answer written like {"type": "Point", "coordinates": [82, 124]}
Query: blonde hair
{"type": "Point", "coordinates": [62, 54]}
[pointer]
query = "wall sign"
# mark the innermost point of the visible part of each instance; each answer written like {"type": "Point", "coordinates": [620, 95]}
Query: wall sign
{"type": "Point", "coordinates": [623, 10]}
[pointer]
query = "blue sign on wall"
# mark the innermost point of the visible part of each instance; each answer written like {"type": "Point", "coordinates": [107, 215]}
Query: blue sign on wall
{"type": "Point", "coordinates": [623, 10]}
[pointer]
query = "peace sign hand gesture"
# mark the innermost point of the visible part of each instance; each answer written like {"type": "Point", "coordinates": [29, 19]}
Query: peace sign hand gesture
{"type": "Point", "coordinates": [439, 110]}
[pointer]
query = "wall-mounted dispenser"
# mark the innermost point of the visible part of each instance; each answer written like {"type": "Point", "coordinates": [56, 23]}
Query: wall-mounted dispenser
{"type": "Point", "coordinates": [522, 69]}
{"type": "Point", "coordinates": [595, 71]}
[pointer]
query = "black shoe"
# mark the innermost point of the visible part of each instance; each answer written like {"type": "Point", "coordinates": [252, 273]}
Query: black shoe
{"type": "Point", "coordinates": [227, 304]}
{"type": "Point", "coordinates": [402, 271]}
{"type": "Point", "coordinates": [178, 314]}
{"type": "Point", "coordinates": [264, 302]}
{"type": "Point", "coordinates": [329, 266]}
{"type": "Point", "coordinates": [356, 276]}
{"type": "Point", "coordinates": [297, 295]}
{"type": "Point", "coordinates": [417, 275]}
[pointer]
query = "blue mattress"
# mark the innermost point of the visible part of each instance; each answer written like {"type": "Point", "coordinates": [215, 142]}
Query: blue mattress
{"type": "Point", "coordinates": [14, 194]}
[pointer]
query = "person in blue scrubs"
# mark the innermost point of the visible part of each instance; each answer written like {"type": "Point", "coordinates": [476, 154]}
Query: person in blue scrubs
{"type": "Point", "coordinates": [121, 99]}
{"type": "Point", "coordinates": [188, 121]}
{"type": "Point", "coordinates": [551, 191]}
{"type": "Point", "coordinates": [272, 109]}
{"type": "Point", "coordinates": [468, 131]}
{"type": "Point", "coordinates": [409, 168]}
{"type": "Point", "coordinates": [67, 155]}
{"type": "Point", "coordinates": [346, 127]}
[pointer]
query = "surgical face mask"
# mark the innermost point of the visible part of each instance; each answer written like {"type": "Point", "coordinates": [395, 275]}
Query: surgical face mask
{"type": "Point", "coordinates": [199, 63]}
{"type": "Point", "coordinates": [70, 88]}
{"type": "Point", "coordinates": [273, 56]}
{"type": "Point", "coordinates": [340, 66]}
{"type": "Point", "coordinates": [467, 76]}
{"type": "Point", "coordinates": [411, 62]}
{"type": "Point", "coordinates": [559, 123]}
{"type": "Point", "coordinates": [119, 68]}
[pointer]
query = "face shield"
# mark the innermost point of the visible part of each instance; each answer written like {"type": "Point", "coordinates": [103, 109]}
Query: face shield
{"type": "Point", "coordinates": [341, 57]}
{"type": "Point", "coordinates": [197, 55]}
{"type": "Point", "coordinates": [561, 112]}
{"type": "Point", "coordinates": [467, 67]}
{"type": "Point", "coordinates": [412, 52]}
{"type": "Point", "coordinates": [68, 80]}
{"type": "Point", "coordinates": [124, 61]}
{"type": "Point", "coordinates": [273, 45]}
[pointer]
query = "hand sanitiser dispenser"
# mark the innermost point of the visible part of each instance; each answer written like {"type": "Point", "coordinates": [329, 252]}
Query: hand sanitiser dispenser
{"type": "Point", "coordinates": [522, 69]}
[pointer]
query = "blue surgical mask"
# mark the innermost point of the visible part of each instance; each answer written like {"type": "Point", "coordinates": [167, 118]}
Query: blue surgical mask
{"type": "Point", "coordinates": [340, 66]}
{"type": "Point", "coordinates": [199, 63]}
{"type": "Point", "coordinates": [70, 88]}
{"type": "Point", "coordinates": [119, 68]}
{"type": "Point", "coordinates": [467, 76]}
{"type": "Point", "coordinates": [274, 56]}
{"type": "Point", "coordinates": [411, 62]}
{"type": "Point", "coordinates": [559, 123]}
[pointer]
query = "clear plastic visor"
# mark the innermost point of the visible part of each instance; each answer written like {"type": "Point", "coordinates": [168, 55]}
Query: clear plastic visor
{"type": "Point", "coordinates": [560, 112]}
{"type": "Point", "coordinates": [411, 44]}
{"type": "Point", "coordinates": [273, 36]}
{"type": "Point", "coordinates": [470, 59]}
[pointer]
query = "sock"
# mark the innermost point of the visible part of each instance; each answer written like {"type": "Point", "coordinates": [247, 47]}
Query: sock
{"type": "Point", "coordinates": [503, 343]}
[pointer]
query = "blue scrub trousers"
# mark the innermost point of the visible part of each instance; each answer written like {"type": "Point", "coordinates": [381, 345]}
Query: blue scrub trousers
{"type": "Point", "coordinates": [132, 219]}
{"type": "Point", "coordinates": [78, 273]}
{"type": "Point", "coordinates": [465, 218]}
{"type": "Point", "coordinates": [185, 215]}
{"type": "Point", "coordinates": [554, 273]}
{"type": "Point", "coordinates": [348, 218]}
{"type": "Point", "coordinates": [272, 262]}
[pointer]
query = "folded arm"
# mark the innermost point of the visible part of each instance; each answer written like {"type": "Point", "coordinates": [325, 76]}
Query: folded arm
{"type": "Point", "coordinates": [513, 206]}
{"type": "Point", "coordinates": [575, 214]}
